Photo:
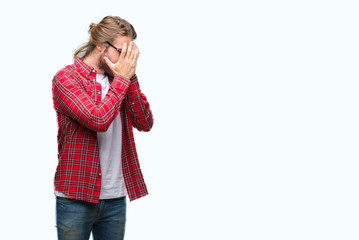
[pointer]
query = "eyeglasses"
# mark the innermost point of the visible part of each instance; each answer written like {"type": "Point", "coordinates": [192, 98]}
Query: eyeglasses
{"type": "Point", "coordinates": [118, 50]}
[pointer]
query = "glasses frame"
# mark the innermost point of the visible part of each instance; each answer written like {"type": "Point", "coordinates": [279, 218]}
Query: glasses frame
{"type": "Point", "coordinates": [118, 50]}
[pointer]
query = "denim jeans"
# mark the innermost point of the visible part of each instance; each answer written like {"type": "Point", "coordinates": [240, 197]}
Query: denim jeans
{"type": "Point", "coordinates": [76, 219]}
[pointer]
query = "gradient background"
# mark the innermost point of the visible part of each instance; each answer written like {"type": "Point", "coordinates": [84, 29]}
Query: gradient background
{"type": "Point", "coordinates": [255, 108]}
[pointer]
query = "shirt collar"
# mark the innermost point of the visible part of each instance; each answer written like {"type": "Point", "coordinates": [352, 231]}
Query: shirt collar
{"type": "Point", "coordinates": [83, 68]}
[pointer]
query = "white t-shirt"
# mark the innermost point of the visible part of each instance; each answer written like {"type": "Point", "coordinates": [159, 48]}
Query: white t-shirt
{"type": "Point", "coordinates": [110, 147]}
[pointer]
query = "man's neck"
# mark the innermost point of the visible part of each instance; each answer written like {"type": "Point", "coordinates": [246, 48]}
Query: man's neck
{"type": "Point", "coordinates": [92, 61]}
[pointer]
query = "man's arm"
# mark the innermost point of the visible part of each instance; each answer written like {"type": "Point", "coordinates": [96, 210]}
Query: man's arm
{"type": "Point", "coordinates": [72, 100]}
{"type": "Point", "coordinates": [140, 112]}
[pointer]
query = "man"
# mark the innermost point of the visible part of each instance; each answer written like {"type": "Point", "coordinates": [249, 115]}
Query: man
{"type": "Point", "coordinates": [98, 100]}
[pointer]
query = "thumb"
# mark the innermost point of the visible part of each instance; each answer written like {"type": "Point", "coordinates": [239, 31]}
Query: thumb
{"type": "Point", "coordinates": [108, 62]}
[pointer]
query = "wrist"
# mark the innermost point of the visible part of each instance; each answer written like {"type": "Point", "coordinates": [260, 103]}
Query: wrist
{"type": "Point", "coordinates": [120, 75]}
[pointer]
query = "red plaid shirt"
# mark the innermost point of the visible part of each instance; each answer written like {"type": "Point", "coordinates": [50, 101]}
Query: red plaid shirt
{"type": "Point", "coordinates": [80, 114]}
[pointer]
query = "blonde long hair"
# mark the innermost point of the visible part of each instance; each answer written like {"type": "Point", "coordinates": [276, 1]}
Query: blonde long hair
{"type": "Point", "coordinates": [108, 29]}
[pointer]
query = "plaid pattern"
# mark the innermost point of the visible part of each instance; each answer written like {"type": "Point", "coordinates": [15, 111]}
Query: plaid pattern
{"type": "Point", "coordinates": [80, 114]}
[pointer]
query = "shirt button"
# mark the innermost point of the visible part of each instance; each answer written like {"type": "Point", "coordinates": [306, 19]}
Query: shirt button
{"type": "Point", "coordinates": [93, 70]}
{"type": "Point", "coordinates": [100, 174]}
{"type": "Point", "coordinates": [99, 92]}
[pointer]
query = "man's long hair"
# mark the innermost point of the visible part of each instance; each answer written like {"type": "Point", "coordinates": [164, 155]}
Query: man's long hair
{"type": "Point", "coordinates": [108, 29]}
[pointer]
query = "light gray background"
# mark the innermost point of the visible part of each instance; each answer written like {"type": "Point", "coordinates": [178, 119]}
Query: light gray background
{"type": "Point", "coordinates": [255, 109]}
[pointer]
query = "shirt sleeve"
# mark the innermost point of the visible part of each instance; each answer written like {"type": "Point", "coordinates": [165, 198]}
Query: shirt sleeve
{"type": "Point", "coordinates": [140, 111]}
{"type": "Point", "coordinates": [72, 100]}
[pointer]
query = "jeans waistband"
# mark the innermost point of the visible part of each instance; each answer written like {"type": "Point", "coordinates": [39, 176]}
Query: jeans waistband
{"type": "Point", "coordinates": [106, 199]}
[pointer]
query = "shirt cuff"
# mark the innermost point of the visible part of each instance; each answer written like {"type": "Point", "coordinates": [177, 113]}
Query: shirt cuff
{"type": "Point", "coordinates": [134, 86]}
{"type": "Point", "coordinates": [120, 82]}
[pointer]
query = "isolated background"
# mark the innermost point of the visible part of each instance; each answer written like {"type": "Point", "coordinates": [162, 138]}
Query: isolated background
{"type": "Point", "coordinates": [255, 108]}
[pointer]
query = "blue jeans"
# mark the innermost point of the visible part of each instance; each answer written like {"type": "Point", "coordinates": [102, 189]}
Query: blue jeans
{"type": "Point", "coordinates": [76, 219]}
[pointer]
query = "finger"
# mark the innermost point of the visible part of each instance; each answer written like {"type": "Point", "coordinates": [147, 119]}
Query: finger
{"type": "Point", "coordinates": [132, 57]}
{"type": "Point", "coordinates": [135, 45]}
{"type": "Point", "coordinates": [135, 55]}
{"type": "Point", "coordinates": [129, 50]}
{"type": "Point", "coordinates": [136, 49]}
{"type": "Point", "coordinates": [123, 51]}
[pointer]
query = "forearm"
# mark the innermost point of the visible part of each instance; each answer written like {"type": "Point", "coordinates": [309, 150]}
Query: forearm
{"type": "Point", "coordinates": [72, 100]}
{"type": "Point", "coordinates": [140, 111]}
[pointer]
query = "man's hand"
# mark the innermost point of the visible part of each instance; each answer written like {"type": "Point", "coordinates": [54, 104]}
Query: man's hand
{"type": "Point", "coordinates": [126, 64]}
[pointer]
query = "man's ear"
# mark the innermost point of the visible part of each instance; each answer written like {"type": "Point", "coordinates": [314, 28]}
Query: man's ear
{"type": "Point", "coordinates": [100, 48]}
